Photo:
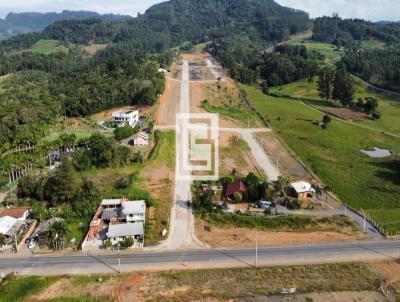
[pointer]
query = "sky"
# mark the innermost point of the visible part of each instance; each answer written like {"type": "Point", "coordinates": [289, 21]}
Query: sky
{"type": "Point", "coordinates": [374, 10]}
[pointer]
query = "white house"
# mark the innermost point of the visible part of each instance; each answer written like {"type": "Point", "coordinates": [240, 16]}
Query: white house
{"type": "Point", "coordinates": [302, 190]}
{"type": "Point", "coordinates": [133, 211]}
{"type": "Point", "coordinates": [118, 232]}
{"type": "Point", "coordinates": [140, 139]}
{"type": "Point", "coordinates": [10, 226]}
{"type": "Point", "coordinates": [125, 118]}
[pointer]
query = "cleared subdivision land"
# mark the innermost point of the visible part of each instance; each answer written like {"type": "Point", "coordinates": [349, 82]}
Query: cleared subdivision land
{"type": "Point", "coordinates": [334, 155]}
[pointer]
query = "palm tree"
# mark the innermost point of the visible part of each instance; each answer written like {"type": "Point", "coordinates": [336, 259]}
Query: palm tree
{"type": "Point", "coordinates": [57, 233]}
{"type": "Point", "coordinates": [281, 184]}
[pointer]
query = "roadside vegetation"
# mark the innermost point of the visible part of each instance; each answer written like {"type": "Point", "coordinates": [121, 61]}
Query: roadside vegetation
{"type": "Point", "coordinates": [206, 284]}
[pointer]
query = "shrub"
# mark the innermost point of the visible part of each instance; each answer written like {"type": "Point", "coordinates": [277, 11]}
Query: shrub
{"type": "Point", "coordinates": [292, 204]}
{"type": "Point", "coordinates": [376, 115]}
{"type": "Point", "coordinates": [121, 133]}
{"type": "Point", "coordinates": [126, 243]}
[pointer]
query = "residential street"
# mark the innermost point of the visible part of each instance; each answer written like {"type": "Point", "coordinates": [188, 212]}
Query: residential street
{"type": "Point", "coordinates": [182, 234]}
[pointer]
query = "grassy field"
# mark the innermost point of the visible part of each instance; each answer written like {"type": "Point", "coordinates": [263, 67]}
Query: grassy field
{"type": "Point", "coordinates": [334, 155]}
{"type": "Point", "coordinates": [195, 285]}
{"type": "Point", "coordinates": [17, 289]}
{"type": "Point", "coordinates": [389, 106]}
{"type": "Point", "coordinates": [47, 47]}
{"type": "Point", "coordinates": [328, 50]}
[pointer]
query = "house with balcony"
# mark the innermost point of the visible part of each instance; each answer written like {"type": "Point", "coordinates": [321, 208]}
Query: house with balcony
{"type": "Point", "coordinates": [125, 118]}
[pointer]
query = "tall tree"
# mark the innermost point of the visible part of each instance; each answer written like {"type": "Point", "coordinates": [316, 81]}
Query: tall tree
{"type": "Point", "coordinates": [324, 83]}
{"type": "Point", "coordinates": [343, 87]}
{"type": "Point", "coordinates": [64, 185]}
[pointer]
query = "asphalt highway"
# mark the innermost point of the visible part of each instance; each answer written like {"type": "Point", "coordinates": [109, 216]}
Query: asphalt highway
{"type": "Point", "coordinates": [206, 258]}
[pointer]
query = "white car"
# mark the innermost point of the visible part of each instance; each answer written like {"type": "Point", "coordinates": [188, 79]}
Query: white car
{"type": "Point", "coordinates": [32, 244]}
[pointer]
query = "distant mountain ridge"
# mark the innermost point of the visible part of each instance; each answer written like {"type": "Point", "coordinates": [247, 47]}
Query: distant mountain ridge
{"type": "Point", "coordinates": [18, 23]}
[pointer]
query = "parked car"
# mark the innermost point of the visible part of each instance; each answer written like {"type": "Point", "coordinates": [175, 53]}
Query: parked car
{"type": "Point", "coordinates": [32, 244]}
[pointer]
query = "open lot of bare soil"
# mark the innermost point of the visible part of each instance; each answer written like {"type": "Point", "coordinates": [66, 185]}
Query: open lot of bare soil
{"type": "Point", "coordinates": [92, 49]}
{"type": "Point", "coordinates": [235, 155]}
{"type": "Point", "coordinates": [219, 237]}
{"type": "Point", "coordinates": [169, 103]}
{"type": "Point", "coordinates": [346, 114]}
{"type": "Point", "coordinates": [287, 164]}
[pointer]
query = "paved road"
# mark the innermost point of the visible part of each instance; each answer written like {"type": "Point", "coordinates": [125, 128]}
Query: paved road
{"type": "Point", "coordinates": [260, 156]}
{"type": "Point", "coordinates": [182, 233]}
{"type": "Point", "coordinates": [207, 258]}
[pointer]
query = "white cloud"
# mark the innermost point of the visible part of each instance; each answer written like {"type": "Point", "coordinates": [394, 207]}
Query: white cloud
{"type": "Point", "coordinates": [365, 9]}
{"type": "Point", "coordinates": [373, 10]}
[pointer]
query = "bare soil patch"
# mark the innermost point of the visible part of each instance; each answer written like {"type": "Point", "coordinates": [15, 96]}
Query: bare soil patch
{"type": "Point", "coordinates": [169, 103]}
{"type": "Point", "coordinates": [362, 296]}
{"type": "Point", "coordinates": [245, 237]}
{"type": "Point", "coordinates": [288, 165]}
{"type": "Point", "coordinates": [158, 179]}
{"type": "Point", "coordinates": [233, 156]}
{"type": "Point", "coordinates": [206, 91]}
{"type": "Point", "coordinates": [92, 49]}
{"type": "Point", "coordinates": [391, 273]}
{"type": "Point", "coordinates": [346, 114]}
{"type": "Point", "coordinates": [5, 77]}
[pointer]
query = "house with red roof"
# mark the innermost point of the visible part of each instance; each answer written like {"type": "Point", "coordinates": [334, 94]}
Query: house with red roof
{"type": "Point", "coordinates": [235, 187]}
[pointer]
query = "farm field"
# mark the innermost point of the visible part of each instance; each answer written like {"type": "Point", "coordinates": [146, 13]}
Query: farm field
{"type": "Point", "coordinates": [389, 106]}
{"type": "Point", "coordinates": [328, 50]}
{"type": "Point", "coordinates": [334, 155]}
{"type": "Point", "coordinates": [47, 47]}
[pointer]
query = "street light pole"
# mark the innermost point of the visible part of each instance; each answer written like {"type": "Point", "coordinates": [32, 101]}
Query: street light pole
{"type": "Point", "coordinates": [119, 260]}
{"type": "Point", "coordinates": [256, 249]}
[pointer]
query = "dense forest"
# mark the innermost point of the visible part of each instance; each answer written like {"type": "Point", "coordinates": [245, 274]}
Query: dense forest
{"type": "Point", "coordinates": [246, 64]}
{"type": "Point", "coordinates": [18, 23]}
{"type": "Point", "coordinates": [345, 32]}
{"type": "Point", "coordinates": [43, 87]}
{"type": "Point", "coordinates": [380, 67]}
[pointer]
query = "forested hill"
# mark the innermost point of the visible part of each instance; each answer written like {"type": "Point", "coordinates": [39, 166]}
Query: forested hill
{"type": "Point", "coordinates": [344, 32]}
{"type": "Point", "coordinates": [17, 23]}
{"type": "Point", "coordinates": [44, 86]}
{"type": "Point", "coordinates": [168, 24]}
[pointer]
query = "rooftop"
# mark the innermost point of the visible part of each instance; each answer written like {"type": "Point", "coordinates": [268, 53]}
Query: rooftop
{"type": "Point", "coordinates": [125, 113]}
{"type": "Point", "coordinates": [13, 212]}
{"type": "Point", "coordinates": [111, 202]}
{"type": "Point", "coordinates": [302, 187]}
{"type": "Point", "coordinates": [125, 229]}
{"type": "Point", "coordinates": [133, 207]}
{"type": "Point", "coordinates": [236, 186]}
{"type": "Point", "coordinates": [9, 226]}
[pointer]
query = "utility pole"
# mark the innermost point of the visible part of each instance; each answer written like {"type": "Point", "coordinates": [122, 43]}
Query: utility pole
{"type": "Point", "coordinates": [119, 260]}
{"type": "Point", "coordinates": [345, 209]}
{"type": "Point", "coordinates": [256, 249]}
